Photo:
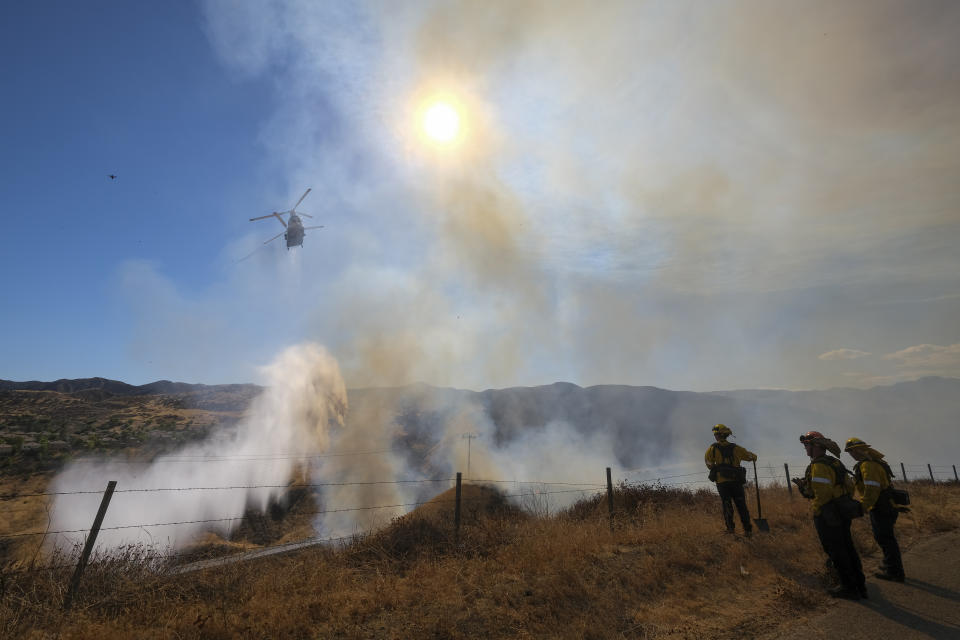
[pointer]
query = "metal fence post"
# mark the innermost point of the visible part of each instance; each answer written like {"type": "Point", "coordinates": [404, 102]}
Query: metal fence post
{"type": "Point", "coordinates": [786, 470]}
{"type": "Point", "coordinates": [456, 516]}
{"type": "Point", "coordinates": [88, 547]}
{"type": "Point", "coordinates": [930, 469]}
{"type": "Point", "coordinates": [610, 497]}
{"type": "Point", "coordinates": [903, 470]}
{"type": "Point", "coordinates": [955, 478]}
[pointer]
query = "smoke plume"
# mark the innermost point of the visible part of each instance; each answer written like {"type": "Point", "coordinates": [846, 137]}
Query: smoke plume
{"type": "Point", "coordinates": [297, 416]}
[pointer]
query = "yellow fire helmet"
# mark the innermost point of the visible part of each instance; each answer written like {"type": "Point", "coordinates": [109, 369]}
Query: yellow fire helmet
{"type": "Point", "coordinates": [854, 443]}
{"type": "Point", "coordinates": [722, 430]}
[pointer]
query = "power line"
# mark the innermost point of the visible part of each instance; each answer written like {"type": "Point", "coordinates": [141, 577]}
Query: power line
{"type": "Point", "coordinates": [305, 513]}
{"type": "Point", "coordinates": [228, 487]}
{"type": "Point", "coordinates": [287, 486]}
{"type": "Point", "coordinates": [678, 475]}
{"type": "Point", "coordinates": [569, 484]}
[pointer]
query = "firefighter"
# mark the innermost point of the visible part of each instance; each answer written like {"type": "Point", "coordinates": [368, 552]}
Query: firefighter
{"type": "Point", "coordinates": [723, 459]}
{"type": "Point", "coordinates": [827, 484]}
{"type": "Point", "coordinates": [872, 476]}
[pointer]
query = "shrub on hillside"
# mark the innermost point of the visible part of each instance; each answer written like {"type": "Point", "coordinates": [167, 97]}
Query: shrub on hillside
{"type": "Point", "coordinates": [630, 500]}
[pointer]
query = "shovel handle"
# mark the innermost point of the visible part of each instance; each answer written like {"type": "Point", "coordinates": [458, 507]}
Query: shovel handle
{"type": "Point", "coordinates": [756, 482]}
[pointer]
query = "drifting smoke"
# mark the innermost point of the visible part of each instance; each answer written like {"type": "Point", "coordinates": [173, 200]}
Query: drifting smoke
{"type": "Point", "coordinates": [646, 192]}
{"type": "Point", "coordinates": [630, 207]}
{"type": "Point", "coordinates": [298, 415]}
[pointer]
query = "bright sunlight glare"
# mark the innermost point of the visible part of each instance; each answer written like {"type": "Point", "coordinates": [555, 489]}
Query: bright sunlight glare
{"type": "Point", "coordinates": [441, 122]}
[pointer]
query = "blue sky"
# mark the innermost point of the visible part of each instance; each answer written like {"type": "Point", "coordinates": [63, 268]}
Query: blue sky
{"type": "Point", "coordinates": [113, 88]}
{"type": "Point", "coordinates": [749, 195]}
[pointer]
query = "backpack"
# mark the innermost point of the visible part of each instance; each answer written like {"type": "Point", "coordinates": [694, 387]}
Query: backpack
{"type": "Point", "coordinates": [840, 472]}
{"type": "Point", "coordinates": [858, 473]}
{"type": "Point", "coordinates": [898, 497]}
{"type": "Point", "coordinates": [843, 507]}
{"type": "Point", "coordinates": [726, 463]}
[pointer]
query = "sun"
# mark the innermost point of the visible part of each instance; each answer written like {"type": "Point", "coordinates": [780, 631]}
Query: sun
{"type": "Point", "coordinates": [441, 122]}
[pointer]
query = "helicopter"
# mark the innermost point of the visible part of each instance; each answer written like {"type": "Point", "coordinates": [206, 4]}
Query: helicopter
{"type": "Point", "coordinates": [294, 229]}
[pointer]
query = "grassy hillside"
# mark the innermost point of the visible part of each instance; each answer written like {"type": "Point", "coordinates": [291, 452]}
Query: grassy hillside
{"type": "Point", "coordinates": [664, 570]}
{"type": "Point", "coordinates": [42, 425]}
{"type": "Point", "coordinates": [41, 429]}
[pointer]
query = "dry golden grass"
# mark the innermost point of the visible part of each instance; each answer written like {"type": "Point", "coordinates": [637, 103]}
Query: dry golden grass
{"type": "Point", "coordinates": [665, 570]}
{"type": "Point", "coordinates": [21, 514]}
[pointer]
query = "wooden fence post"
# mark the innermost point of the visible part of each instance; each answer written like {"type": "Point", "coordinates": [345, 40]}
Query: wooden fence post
{"type": "Point", "coordinates": [903, 470]}
{"type": "Point", "coordinates": [610, 497]}
{"type": "Point", "coordinates": [930, 469]}
{"type": "Point", "coordinates": [456, 516]}
{"type": "Point", "coordinates": [786, 470]}
{"type": "Point", "coordinates": [88, 547]}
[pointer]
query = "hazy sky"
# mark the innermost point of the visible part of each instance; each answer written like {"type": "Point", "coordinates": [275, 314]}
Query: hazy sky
{"type": "Point", "coordinates": [682, 194]}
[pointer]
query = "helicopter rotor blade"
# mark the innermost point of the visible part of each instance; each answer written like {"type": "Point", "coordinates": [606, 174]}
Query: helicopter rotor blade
{"type": "Point", "coordinates": [272, 215]}
{"type": "Point", "coordinates": [300, 200]}
{"type": "Point", "coordinates": [274, 237]}
{"type": "Point", "coordinates": [305, 215]}
{"type": "Point", "coordinates": [320, 226]}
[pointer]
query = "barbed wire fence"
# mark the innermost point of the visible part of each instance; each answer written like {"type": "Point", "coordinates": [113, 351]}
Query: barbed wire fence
{"type": "Point", "coordinates": [92, 533]}
{"type": "Point", "coordinates": [693, 480]}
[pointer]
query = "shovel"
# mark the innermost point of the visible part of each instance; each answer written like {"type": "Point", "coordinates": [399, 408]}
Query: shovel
{"type": "Point", "coordinates": [759, 520]}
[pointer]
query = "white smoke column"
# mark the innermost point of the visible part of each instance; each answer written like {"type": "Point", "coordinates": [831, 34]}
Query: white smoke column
{"type": "Point", "coordinates": [552, 467]}
{"type": "Point", "coordinates": [544, 468]}
{"type": "Point", "coordinates": [363, 494]}
{"type": "Point", "coordinates": [362, 478]}
{"type": "Point", "coordinates": [293, 418]}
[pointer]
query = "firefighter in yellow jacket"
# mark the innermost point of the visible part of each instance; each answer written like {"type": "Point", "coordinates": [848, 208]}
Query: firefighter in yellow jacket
{"type": "Point", "coordinates": [872, 477]}
{"type": "Point", "coordinates": [827, 483]}
{"type": "Point", "coordinates": [723, 459]}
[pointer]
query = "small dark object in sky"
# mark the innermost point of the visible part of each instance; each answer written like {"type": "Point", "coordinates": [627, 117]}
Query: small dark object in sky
{"type": "Point", "coordinates": [111, 176]}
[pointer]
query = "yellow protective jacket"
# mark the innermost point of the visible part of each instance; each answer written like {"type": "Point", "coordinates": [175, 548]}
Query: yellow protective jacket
{"type": "Point", "coordinates": [825, 480]}
{"type": "Point", "coordinates": [871, 478]}
{"type": "Point", "coordinates": [714, 456]}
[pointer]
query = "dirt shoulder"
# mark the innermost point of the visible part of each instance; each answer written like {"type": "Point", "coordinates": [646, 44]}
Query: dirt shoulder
{"type": "Point", "coordinates": [927, 605]}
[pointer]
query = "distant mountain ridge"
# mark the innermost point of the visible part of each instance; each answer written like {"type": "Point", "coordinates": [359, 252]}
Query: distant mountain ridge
{"type": "Point", "coordinates": [647, 425]}
{"type": "Point", "coordinates": [642, 424]}
{"type": "Point", "coordinates": [160, 387]}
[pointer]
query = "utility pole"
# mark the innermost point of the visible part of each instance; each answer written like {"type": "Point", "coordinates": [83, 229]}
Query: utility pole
{"type": "Point", "coordinates": [469, 437]}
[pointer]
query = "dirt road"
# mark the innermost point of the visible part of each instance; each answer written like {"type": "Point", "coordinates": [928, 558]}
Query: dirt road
{"type": "Point", "coordinates": [927, 605]}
